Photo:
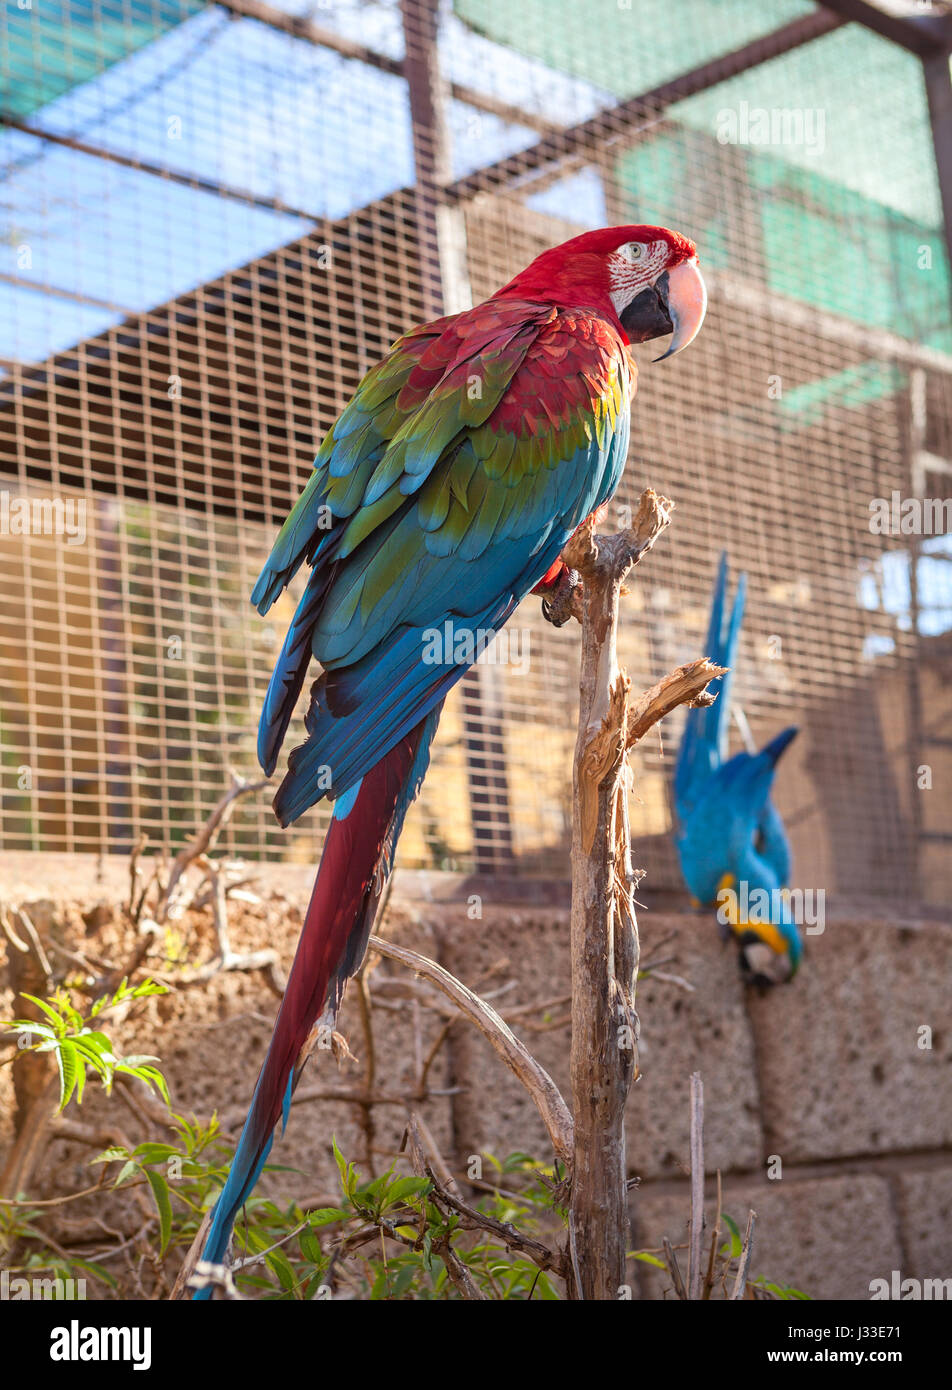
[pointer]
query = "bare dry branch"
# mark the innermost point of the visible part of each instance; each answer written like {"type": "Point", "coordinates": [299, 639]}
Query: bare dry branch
{"type": "Point", "coordinates": [35, 946]}
{"type": "Point", "coordinates": [180, 1287]}
{"type": "Point", "coordinates": [743, 1267]}
{"type": "Point", "coordinates": [541, 1087]}
{"type": "Point", "coordinates": [697, 1185]}
{"type": "Point", "coordinates": [674, 1269]}
{"type": "Point", "coordinates": [685, 685]}
{"type": "Point", "coordinates": [448, 1195]}
{"type": "Point", "coordinates": [135, 873]}
{"type": "Point", "coordinates": [715, 1237]}
{"type": "Point", "coordinates": [265, 960]}
{"type": "Point", "coordinates": [6, 926]}
{"type": "Point", "coordinates": [206, 837]}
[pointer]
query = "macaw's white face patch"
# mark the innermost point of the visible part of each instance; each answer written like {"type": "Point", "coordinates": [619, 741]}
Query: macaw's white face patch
{"type": "Point", "coordinates": [633, 267]}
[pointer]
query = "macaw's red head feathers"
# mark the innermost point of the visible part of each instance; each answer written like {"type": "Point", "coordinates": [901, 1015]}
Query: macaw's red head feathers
{"type": "Point", "coordinates": [644, 279]}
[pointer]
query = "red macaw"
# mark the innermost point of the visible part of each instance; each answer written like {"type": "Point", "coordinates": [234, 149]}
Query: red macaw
{"type": "Point", "coordinates": [444, 493]}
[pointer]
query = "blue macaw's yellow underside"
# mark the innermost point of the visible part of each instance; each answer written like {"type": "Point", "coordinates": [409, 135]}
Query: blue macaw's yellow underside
{"type": "Point", "coordinates": [731, 841]}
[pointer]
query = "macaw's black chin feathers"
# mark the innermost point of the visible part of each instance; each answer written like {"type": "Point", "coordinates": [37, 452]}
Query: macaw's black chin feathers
{"type": "Point", "coordinates": [647, 315]}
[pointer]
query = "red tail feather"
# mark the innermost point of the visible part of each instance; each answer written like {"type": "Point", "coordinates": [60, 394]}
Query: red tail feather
{"type": "Point", "coordinates": [333, 939]}
{"type": "Point", "coordinates": [344, 891]}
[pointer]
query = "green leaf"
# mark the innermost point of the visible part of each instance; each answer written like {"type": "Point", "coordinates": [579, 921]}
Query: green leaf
{"type": "Point", "coordinates": [80, 1077]}
{"type": "Point", "coordinates": [517, 1161]}
{"type": "Point", "coordinates": [66, 1065]}
{"type": "Point", "coordinates": [29, 1025]}
{"type": "Point", "coordinates": [151, 1077]}
{"type": "Point", "coordinates": [326, 1216]}
{"type": "Point", "coordinates": [372, 1190]}
{"type": "Point", "coordinates": [403, 1188]}
{"type": "Point", "coordinates": [281, 1265]}
{"type": "Point", "coordinates": [348, 1175]}
{"type": "Point", "coordinates": [310, 1246]}
{"type": "Point", "coordinates": [160, 1191]}
{"type": "Point", "coordinates": [125, 1171]}
{"type": "Point", "coordinates": [73, 1019]}
{"type": "Point", "coordinates": [147, 988]}
{"type": "Point", "coordinates": [402, 1282]}
{"type": "Point", "coordinates": [102, 1064]}
{"type": "Point", "coordinates": [96, 1271]}
{"type": "Point", "coordinates": [153, 1153]}
{"type": "Point", "coordinates": [112, 1155]}
{"type": "Point", "coordinates": [736, 1244]}
{"type": "Point", "coordinates": [339, 1160]}
{"type": "Point", "coordinates": [55, 1017]}
{"type": "Point", "coordinates": [647, 1259]}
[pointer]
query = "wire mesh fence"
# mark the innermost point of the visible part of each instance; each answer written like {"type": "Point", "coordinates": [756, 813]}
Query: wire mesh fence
{"type": "Point", "coordinates": [217, 217]}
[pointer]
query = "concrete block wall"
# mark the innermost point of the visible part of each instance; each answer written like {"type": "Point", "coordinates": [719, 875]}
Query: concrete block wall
{"type": "Point", "coordinates": [827, 1074]}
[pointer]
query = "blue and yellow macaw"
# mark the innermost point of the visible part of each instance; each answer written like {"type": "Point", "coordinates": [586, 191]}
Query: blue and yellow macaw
{"type": "Point", "coordinates": [730, 839]}
{"type": "Point", "coordinates": [440, 498]}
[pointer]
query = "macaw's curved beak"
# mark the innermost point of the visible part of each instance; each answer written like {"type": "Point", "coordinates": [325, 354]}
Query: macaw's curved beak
{"type": "Point", "coordinates": [675, 303]}
{"type": "Point", "coordinates": [687, 305]}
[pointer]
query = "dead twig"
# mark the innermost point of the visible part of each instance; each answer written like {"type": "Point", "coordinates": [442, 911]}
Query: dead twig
{"type": "Point", "coordinates": [697, 1185]}
{"type": "Point", "coordinates": [265, 960]}
{"type": "Point", "coordinates": [740, 1280]}
{"type": "Point", "coordinates": [541, 1087]}
{"type": "Point", "coordinates": [192, 1260]}
{"type": "Point", "coordinates": [135, 873]}
{"type": "Point", "coordinates": [206, 837]}
{"type": "Point", "coordinates": [448, 1195]}
{"type": "Point", "coordinates": [370, 1068]}
{"type": "Point", "coordinates": [674, 1269]}
{"type": "Point", "coordinates": [685, 685]}
{"type": "Point", "coordinates": [35, 946]}
{"type": "Point", "coordinates": [715, 1237]}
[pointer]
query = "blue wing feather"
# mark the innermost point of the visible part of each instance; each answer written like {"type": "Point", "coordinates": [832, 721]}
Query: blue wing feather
{"type": "Point", "coordinates": [706, 740]}
{"type": "Point", "coordinates": [471, 539]}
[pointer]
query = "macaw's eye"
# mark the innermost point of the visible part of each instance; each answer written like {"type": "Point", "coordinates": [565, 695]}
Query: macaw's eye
{"type": "Point", "coordinates": [635, 250]}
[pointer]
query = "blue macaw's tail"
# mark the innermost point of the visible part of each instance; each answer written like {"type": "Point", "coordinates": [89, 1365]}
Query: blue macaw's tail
{"type": "Point", "coordinates": [705, 742]}
{"type": "Point", "coordinates": [357, 857]}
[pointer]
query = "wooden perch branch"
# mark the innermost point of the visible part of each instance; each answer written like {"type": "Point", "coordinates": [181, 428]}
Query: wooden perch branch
{"type": "Point", "coordinates": [686, 685]}
{"type": "Point", "coordinates": [604, 929]}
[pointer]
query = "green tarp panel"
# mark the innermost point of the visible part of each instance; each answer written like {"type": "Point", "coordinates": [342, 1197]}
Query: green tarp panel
{"type": "Point", "coordinates": [626, 46]}
{"type": "Point", "coordinates": [48, 47]}
{"type": "Point", "coordinates": [842, 205]}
